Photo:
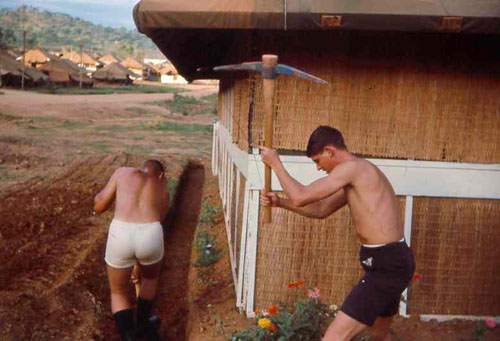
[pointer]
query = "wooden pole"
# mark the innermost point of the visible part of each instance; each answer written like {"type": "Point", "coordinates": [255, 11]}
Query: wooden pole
{"type": "Point", "coordinates": [24, 47]}
{"type": "Point", "coordinates": [269, 63]}
{"type": "Point", "coordinates": [81, 61]}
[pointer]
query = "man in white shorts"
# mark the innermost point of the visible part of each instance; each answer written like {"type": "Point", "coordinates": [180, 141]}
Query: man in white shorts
{"type": "Point", "coordinates": [135, 235]}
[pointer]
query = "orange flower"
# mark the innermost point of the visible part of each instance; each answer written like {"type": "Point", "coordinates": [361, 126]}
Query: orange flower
{"type": "Point", "coordinates": [272, 310]}
{"type": "Point", "coordinates": [295, 284]}
{"type": "Point", "coordinates": [272, 328]}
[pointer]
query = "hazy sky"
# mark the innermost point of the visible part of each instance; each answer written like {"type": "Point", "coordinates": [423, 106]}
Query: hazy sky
{"type": "Point", "coordinates": [112, 13]}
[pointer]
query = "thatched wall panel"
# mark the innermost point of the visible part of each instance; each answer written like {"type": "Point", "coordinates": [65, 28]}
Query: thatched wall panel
{"type": "Point", "coordinates": [456, 246]}
{"type": "Point", "coordinates": [397, 97]}
{"type": "Point", "coordinates": [323, 253]}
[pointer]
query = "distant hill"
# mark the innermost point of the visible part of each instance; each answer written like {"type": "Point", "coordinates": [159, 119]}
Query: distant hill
{"type": "Point", "coordinates": [57, 30]}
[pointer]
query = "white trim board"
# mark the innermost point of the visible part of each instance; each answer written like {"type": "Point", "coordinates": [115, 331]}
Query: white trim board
{"type": "Point", "coordinates": [239, 157]}
{"type": "Point", "coordinates": [442, 318]}
{"type": "Point", "coordinates": [408, 177]}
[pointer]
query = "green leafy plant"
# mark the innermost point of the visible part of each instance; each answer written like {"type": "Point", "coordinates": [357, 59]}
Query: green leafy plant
{"type": "Point", "coordinates": [306, 319]}
{"type": "Point", "coordinates": [208, 213]}
{"type": "Point", "coordinates": [206, 248]}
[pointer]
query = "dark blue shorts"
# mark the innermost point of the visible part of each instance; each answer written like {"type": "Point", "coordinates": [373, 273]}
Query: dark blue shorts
{"type": "Point", "coordinates": [388, 271]}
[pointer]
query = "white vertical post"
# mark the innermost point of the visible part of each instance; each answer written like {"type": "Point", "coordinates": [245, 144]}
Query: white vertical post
{"type": "Point", "coordinates": [403, 305]}
{"type": "Point", "coordinates": [243, 248]}
{"type": "Point", "coordinates": [253, 227]}
{"type": "Point", "coordinates": [215, 142]}
{"type": "Point", "coordinates": [236, 208]}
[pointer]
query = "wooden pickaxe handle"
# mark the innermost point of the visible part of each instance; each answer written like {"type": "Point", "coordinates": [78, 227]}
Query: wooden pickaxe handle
{"type": "Point", "coordinates": [269, 63]}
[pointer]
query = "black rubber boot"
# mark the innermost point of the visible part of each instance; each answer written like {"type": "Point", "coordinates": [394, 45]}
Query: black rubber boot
{"type": "Point", "coordinates": [150, 330]}
{"type": "Point", "coordinates": [124, 319]}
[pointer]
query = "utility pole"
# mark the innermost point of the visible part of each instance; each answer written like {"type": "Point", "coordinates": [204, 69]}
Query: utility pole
{"type": "Point", "coordinates": [141, 60]}
{"type": "Point", "coordinates": [81, 61]}
{"type": "Point", "coordinates": [24, 47]}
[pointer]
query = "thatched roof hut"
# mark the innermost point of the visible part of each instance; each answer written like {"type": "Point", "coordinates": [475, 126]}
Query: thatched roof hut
{"type": "Point", "coordinates": [413, 85]}
{"type": "Point", "coordinates": [64, 71]}
{"type": "Point", "coordinates": [35, 57]}
{"type": "Point", "coordinates": [114, 72]}
{"type": "Point", "coordinates": [82, 59]}
{"type": "Point", "coordinates": [109, 58]}
{"type": "Point", "coordinates": [12, 71]}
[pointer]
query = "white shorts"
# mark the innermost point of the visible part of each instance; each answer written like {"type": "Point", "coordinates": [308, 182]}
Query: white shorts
{"type": "Point", "coordinates": [128, 242]}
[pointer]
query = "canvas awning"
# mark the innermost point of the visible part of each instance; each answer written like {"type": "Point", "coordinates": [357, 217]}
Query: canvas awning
{"type": "Point", "coordinates": [410, 15]}
{"type": "Point", "coordinates": [204, 34]}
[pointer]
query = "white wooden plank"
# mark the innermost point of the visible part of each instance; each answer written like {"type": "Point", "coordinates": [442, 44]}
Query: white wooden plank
{"type": "Point", "coordinates": [403, 304]}
{"type": "Point", "coordinates": [236, 221]}
{"type": "Point", "coordinates": [240, 157]}
{"type": "Point", "coordinates": [252, 249]}
{"type": "Point", "coordinates": [243, 248]}
{"type": "Point", "coordinates": [214, 148]}
{"type": "Point", "coordinates": [442, 318]}
{"type": "Point", "coordinates": [414, 178]}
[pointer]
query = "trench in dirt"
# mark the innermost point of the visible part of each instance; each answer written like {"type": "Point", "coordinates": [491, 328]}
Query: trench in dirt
{"type": "Point", "coordinates": [171, 303]}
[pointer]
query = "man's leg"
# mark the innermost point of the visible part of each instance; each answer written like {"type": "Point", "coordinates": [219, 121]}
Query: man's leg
{"type": "Point", "coordinates": [343, 327]}
{"type": "Point", "coordinates": [120, 303]}
{"type": "Point", "coordinates": [380, 329]}
{"type": "Point", "coordinates": [149, 284]}
{"type": "Point", "coordinates": [120, 288]}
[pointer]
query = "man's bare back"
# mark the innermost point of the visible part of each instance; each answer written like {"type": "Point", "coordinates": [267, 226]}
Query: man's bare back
{"type": "Point", "coordinates": [140, 197]}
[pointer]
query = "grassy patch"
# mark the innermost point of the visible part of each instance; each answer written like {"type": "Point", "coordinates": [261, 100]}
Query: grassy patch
{"type": "Point", "coordinates": [66, 124]}
{"type": "Point", "coordinates": [179, 127]}
{"type": "Point", "coordinates": [7, 177]}
{"type": "Point", "coordinates": [189, 105]}
{"type": "Point", "coordinates": [107, 90]}
{"type": "Point", "coordinates": [140, 111]}
{"type": "Point", "coordinates": [100, 146]}
{"type": "Point", "coordinates": [7, 117]}
{"type": "Point", "coordinates": [114, 127]}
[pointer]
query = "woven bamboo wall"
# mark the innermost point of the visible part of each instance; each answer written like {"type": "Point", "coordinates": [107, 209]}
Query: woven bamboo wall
{"type": "Point", "coordinates": [456, 244]}
{"type": "Point", "coordinates": [423, 97]}
{"type": "Point", "coordinates": [323, 253]}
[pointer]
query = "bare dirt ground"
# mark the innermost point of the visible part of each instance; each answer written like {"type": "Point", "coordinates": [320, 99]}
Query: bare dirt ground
{"type": "Point", "coordinates": [56, 153]}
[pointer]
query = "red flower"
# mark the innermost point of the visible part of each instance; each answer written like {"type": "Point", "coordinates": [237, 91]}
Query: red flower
{"type": "Point", "coordinates": [272, 328]}
{"type": "Point", "coordinates": [295, 284]}
{"type": "Point", "coordinates": [416, 277]}
{"type": "Point", "coordinates": [272, 310]}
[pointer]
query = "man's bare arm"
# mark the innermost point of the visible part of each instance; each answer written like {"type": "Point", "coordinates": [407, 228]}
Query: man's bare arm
{"type": "Point", "coordinates": [319, 209]}
{"type": "Point", "coordinates": [105, 197]}
{"type": "Point", "coordinates": [301, 195]}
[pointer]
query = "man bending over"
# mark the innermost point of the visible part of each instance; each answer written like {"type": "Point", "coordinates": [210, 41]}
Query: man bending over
{"type": "Point", "coordinates": [135, 234]}
{"type": "Point", "coordinates": [384, 255]}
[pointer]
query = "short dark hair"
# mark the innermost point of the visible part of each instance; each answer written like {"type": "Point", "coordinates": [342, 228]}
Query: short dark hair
{"type": "Point", "coordinates": [155, 165]}
{"type": "Point", "coordinates": [322, 137]}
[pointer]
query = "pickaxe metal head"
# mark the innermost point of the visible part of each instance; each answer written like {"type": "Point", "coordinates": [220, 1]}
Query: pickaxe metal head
{"type": "Point", "coordinates": [270, 72]}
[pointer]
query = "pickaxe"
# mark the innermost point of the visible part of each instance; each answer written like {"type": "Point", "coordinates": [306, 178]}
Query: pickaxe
{"type": "Point", "coordinates": [270, 69]}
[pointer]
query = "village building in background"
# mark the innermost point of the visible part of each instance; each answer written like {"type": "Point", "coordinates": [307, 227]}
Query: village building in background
{"type": "Point", "coordinates": [11, 72]}
{"type": "Point", "coordinates": [414, 86]}
{"type": "Point", "coordinates": [65, 72]}
{"type": "Point", "coordinates": [109, 58]}
{"type": "Point", "coordinates": [36, 57]}
{"type": "Point", "coordinates": [114, 73]}
{"type": "Point", "coordinates": [83, 60]}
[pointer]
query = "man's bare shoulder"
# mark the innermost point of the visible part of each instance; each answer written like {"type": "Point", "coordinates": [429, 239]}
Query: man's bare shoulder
{"type": "Point", "coordinates": [124, 172]}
